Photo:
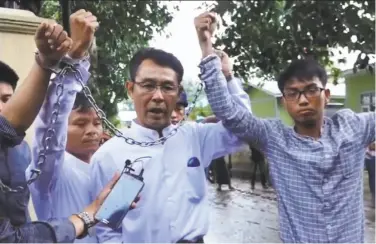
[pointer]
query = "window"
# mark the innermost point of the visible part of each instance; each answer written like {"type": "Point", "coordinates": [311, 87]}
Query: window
{"type": "Point", "coordinates": [367, 101]}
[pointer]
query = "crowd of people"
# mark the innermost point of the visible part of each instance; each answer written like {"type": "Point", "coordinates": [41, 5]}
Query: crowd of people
{"type": "Point", "coordinates": [316, 166]}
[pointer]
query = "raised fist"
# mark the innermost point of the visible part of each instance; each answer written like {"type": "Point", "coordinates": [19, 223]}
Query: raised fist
{"type": "Point", "coordinates": [52, 42]}
{"type": "Point", "coordinates": [226, 63]}
{"type": "Point", "coordinates": [205, 25]}
{"type": "Point", "coordinates": [83, 25]}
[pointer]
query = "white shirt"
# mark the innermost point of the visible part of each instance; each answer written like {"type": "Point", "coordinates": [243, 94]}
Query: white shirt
{"type": "Point", "coordinates": [174, 202]}
{"type": "Point", "coordinates": [62, 188]}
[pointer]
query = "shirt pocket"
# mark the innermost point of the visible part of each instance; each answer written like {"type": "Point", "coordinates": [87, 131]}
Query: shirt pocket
{"type": "Point", "coordinates": [196, 183]}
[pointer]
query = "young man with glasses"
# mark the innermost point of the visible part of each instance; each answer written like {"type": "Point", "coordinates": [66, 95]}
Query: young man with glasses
{"type": "Point", "coordinates": [316, 165]}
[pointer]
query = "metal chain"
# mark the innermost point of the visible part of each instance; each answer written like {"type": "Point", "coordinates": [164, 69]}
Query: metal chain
{"type": "Point", "coordinates": [50, 132]}
{"type": "Point", "coordinates": [48, 135]}
{"type": "Point", "coordinates": [118, 133]}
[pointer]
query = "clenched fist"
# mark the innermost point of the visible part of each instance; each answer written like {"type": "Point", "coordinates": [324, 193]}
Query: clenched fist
{"type": "Point", "coordinates": [83, 25]}
{"type": "Point", "coordinates": [52, 42]}
{"type": "Point", "coordinates": [205, 25]}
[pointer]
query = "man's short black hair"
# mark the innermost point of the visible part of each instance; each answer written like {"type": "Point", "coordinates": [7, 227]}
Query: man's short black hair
{"type": "Point", "coordinates": [81, 104]}
{"type": "Point", "coordinates": [158, 56]}
{"type": "Point", "coordinates": [8, 75]}
{"type": "Point", "coordinates": [302, 70]}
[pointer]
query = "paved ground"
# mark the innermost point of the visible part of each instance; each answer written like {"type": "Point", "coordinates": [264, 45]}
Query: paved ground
{"type": "Point", "coordinates": [241, 216]}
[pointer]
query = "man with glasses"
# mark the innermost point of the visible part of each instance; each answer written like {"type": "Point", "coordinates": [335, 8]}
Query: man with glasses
{"type": "Point", "coordinates": [317, 164]}
{"type": "Point", "coordinates": [174, 204]}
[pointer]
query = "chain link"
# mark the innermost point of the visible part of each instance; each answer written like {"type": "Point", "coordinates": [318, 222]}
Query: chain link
{"type": "Point", "coordinates": [50, 132]}
{"type": "Point", "coordinates": [48, 135]}
{"type": "Point", "coordinates": [116, 132]}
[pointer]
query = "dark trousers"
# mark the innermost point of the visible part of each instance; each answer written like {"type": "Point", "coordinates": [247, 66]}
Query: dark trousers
{"type": "Point", "coordinates": [370, 166]}
{"type": "Point", "coordinates": [261, 165]}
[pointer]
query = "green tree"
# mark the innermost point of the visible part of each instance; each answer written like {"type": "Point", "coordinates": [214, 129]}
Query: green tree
{"type": "Point", "coordinates": [265, 35]}
{"type": "Point", "coordinates": [201, 111]}
{"type": "Point", "coordinates": [125, 27]}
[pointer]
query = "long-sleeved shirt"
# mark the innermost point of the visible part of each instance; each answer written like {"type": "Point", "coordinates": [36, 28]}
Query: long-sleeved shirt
{"type": "Point", "coordinates": [11, 228]}
{"type": "Point", "coordinates": [173, 203]}
{"type": "Point", "coordinates": [62, 188]}
{"type": "Point", "coordinates": [319, 183]}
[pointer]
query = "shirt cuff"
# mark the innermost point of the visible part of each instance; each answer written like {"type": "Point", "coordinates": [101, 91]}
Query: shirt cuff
{"type": "Point", "coordinates": [211, 62]}
{"type": "Point", "coordinates": [64, 230]}
{"type": "Point", "coordinates": [9, 137]}
{"type": "Point", "coordinates": [72, 79]}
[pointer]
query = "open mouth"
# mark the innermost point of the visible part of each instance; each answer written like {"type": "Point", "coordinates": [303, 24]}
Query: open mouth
{"type": "Point", "coordinates": [157, 111]}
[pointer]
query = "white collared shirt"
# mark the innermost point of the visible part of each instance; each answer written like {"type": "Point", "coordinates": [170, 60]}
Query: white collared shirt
{"type": "Point", "coordinates": [174, 202]}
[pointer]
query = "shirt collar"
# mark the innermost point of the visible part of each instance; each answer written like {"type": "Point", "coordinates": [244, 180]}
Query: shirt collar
{"type": "Point", "coordinates": [149, 133]}
{"type": "Point", "coordinates": [323, 130]}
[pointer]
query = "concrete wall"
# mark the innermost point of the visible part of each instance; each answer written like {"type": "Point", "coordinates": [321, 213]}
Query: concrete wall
{"type": "Point", "coordinates": [17, 47]}
{"type": "Point", "coordinates": [357, 84]}
{"type": "Point", "coordinates": [268, 106]}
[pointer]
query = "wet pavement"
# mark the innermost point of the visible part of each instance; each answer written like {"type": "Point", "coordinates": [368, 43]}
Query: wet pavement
{"type": "Point", "coordinates": [241, 215]}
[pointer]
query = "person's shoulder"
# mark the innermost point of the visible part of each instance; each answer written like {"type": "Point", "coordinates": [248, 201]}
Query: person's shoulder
{"type": "Point", "coordinates": [345, 119]}
{"type": "Point", "coordinates": [345, 112]}
{"type": "Point", "coordinates": [344, 116]}
{"type": "Point", "coordinates": [112, 145]}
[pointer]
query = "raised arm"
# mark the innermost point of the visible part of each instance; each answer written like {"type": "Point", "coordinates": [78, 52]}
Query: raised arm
{"type": "Point", "coordinates": [24, 105]}
{"type": "Point", "coordinates": [51, 167]}
{"type": "Point", "coordinates": [234, 117]}
{"type": "Point", "coordinates": [16, 117]}
{"type": "Point", "coordinates": [215, 140]}
{"type": "Point", "coordinates": [71, 85]}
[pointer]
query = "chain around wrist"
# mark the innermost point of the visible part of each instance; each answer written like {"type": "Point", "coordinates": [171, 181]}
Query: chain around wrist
{"type": "Point", "coordinates": [45, 63]}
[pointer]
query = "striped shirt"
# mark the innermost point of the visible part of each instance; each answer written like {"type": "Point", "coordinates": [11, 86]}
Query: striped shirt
{"type": "Point", "coordinates": [319, 183]}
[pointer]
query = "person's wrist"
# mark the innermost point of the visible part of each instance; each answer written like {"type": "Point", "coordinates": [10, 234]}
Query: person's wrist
{"type": "Point", "coordinates": [206, 49]}
{"type": "Point", "coordinates": [77, 52]}
{"type": "Point", "coordinates": [78, 224]}
{"type": "Point", "coordinates": [228, 76]}
{"type": "Point", "coordinates": [45, 62]}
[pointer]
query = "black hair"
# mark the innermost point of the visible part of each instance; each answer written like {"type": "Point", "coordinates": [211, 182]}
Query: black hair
{"type": "Point", "coordinates": [302, 70]}
{"type": "Point", "coordinates": [8, 75]}
{"type": "Point", "coordinates": [158, 56]}
{"type": "Point", "coordinates": [81, 104]}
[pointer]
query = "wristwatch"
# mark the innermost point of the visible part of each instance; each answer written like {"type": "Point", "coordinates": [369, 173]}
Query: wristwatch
{"type": "Point", "coordinates": [88, 222]}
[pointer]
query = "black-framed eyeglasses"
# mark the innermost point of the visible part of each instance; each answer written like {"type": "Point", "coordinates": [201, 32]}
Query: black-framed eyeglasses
{"type": "Point", "coordinates": [309, 92]}
{"type": "Point", "coordinates": [165, 88]}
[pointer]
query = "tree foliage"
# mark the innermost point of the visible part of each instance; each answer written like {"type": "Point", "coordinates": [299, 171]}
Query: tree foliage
{"type": "Point", "coordinates": [267, 34]}
{"type": "Point", "coordinates": [200, 111]}
{"type": "Point", "coordinates": [125, 27]}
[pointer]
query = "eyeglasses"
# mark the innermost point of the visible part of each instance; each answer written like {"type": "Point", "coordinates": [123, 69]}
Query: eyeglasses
{"type": "Point", "coordinates": [309, 92]}
{"type": "Point", "coordinates": [166, 88]}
